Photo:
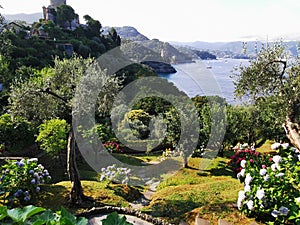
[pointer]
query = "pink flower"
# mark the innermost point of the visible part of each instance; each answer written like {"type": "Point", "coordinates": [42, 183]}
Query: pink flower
{"type": "Point", "coordinates": [251, 160]}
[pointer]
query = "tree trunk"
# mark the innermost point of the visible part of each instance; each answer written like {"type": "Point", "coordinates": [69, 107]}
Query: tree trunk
{"type": "Point", "coordinates": [292, 130]}
{"type": "Point", "coordinates": [76, 195]}
{"type": "Point", "coordinates": [185, 162]}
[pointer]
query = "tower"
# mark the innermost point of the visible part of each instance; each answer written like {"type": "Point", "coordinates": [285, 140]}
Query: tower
{"type": "Point", "coordinates": [56, 3]}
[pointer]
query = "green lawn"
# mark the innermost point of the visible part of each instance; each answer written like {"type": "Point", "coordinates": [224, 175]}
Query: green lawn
{"type": "Point", "coordinates": [211, 192]}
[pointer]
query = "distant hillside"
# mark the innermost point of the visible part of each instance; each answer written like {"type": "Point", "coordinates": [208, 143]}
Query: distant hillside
{"type": "Point", "coordinates": [233, 49]}
{"type": "Point", "coordinates": [139, 48]}
{"type": "Point", "coordinates": [28, 18]}
{"type": "Point", "coordinates": [127, 32]}
{"type": "Point", "coordinates": [154, 50]}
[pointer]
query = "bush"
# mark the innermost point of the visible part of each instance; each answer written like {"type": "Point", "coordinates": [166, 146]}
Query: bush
{"type": "Point", "coordinates": [115, 174]}
{"type": "Point", "coordinates": [53, 136]}
{"type": "Point", "coordinates": [13, 131]}
{"type": "Point", "coordinates": [112, 147]}
{"type": "Point", "coordinates": [248, 155]}
{"type": "Point", "coordinates": [21, 180]}
{"type": "Point", "coordinates": [271, 187]}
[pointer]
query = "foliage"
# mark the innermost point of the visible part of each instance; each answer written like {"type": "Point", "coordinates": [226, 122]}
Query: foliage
{"type": "Point", "coordinates": [271, 187]}
{"type": "Point", "coordinates": [171, 153]}
{"type": "Point", "coordinates": [94, 26]}
{"type": "Point", "coordinates": [53, 136]}
{"type": "Point", "coordinates": [271, 81]}
{"type": "Point", "coordinates": [21, 180]}
{"type": "Point", "coordinates": [244, 155]}
{"type": "Point", "coordinates": [115, 219]}
{"type": "Point", "coordinates": [115, 174]}
{"type": "Point", "coordinates": [49, 93]}
{"type": "Point", "coordinates": [112, 147]}
{"type": "Point", "coordinates": [65, 13]}
{"type": "Point", "coordinates": [212, 123]}
{"type": "Point", "coordinates": [138, 121]}
{"type": "Point", "coordinates": [37, 215]}
{"type": "Point", "coordinates": [13, 130]}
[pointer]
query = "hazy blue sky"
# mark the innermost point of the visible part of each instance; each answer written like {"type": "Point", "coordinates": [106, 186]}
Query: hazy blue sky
{"type": "Point", "coordinates": [189, 20]}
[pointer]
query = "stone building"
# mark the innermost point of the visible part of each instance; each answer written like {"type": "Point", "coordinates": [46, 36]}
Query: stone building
{"type": "Point", "coordinates": [50, 13]}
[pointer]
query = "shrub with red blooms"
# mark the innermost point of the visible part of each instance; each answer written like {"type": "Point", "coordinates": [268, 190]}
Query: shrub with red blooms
{"type": "Point", "coordinates": [113, 147]}
{"type": "Point", "coordinates": [248, 155]}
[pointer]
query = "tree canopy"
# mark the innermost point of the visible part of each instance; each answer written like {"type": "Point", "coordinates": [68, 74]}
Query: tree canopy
{"type": "Point", "coordinates": [272, 83]}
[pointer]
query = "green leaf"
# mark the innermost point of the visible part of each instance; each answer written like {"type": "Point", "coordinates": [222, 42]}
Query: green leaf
{"type": "Point", "coordinates": [68, 218]}
{"type": "Point", "coordinates": [115, 219]}
{"type": "Point", "coordinates": [47, 217]}
{"type": "Point", "coordinates": [82, 221]}
{"type": "Point", "coordinates": [3, 212]}
{"type": "Point", "coordinates": [21, 215]}
{"type": "Point", "coordinates": [15, 214]}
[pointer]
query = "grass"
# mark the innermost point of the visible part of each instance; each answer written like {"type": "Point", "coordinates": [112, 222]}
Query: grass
{"type": "Point", "coordinates": [56, 195]}
{"type": "Point", "coordinates": [211, 193]}
{"type": "Point", "coordinates": [207, 188]}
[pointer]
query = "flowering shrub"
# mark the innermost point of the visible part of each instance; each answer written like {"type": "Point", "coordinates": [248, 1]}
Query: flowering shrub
{"type": "Point", "coordinates": [171, 153]}
{"type": "Point", "coordinates": [21, 180]}
{"type": "Point", "coordinates": [272, 188]}
{"type": "Point", "coordinates": [113, 147]}
{"type": "Point", "coordinates": [115, 174]}
{"type": "Point", "coordinates": [237, 161]}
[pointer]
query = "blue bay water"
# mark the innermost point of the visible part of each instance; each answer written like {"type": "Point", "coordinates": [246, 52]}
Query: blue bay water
{"type": "Point", "coordinates": [206, 77]}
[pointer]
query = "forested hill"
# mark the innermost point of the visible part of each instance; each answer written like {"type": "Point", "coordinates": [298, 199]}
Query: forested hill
{"type": "Point", "coordinates": [128, 33]}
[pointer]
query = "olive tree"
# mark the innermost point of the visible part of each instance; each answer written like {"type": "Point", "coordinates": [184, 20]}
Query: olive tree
{"type": "Point", "coordinates": [272, 83]}
{"type": "Point", "coordinates": [50, 95]}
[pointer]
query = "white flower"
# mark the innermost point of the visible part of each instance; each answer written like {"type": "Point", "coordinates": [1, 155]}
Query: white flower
{"type": "Point", "coordinates": [297, 200]}
{"type": "Point", "coordinates": [239, 203]}
{"type": "Point", "coordinates": [260, 194]}
{"type": "Point", "coordinates": [239, 176]}
{"type": "Point", "coordinates": [247, 188]}
{"type": "Point", "coordinates": [242, 172]}
{"type": "Point", "coordinates": [242, 195]}
{"type": "Point", "coordinates": [285, 145]}
{"type": "Point", "coordinates": [248, 179]}
{"type": "Point", "coordinates": [102, 177]}
{"type": "Point", "coordinates": [277, 159]}
{"type": "Point", "coordinates": [275, 213]}
{"type": "Point", "coordinates": [283, 210]}
{"type": "Point", "coordinates": [266, 178]}
{"type": "Point", "coordinates": [33, 160]}
{"type": "Point", "coordinates": [275, 146]}
{"type": "Point", "coordinates": [273, 167]}
{"type": "Point", "coordinates": [40, 166]}
{"type": "Point", "coordinates": [298, 157]}
{"type": "Point", "coordinates": [279, 175]}
{"type": "Point", "coordinates": [263, 172]}
{"type": "Point", "coordinates": [126, 180]}
{"type": "Point", "coordinates": [250, 205]}
{"type": "Point", "coordinates": [243, 163]}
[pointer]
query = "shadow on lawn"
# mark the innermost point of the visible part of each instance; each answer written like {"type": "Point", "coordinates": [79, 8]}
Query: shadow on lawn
{"type": "Point", "coordinates": [221, 169]}
{"type": "Point", "coordinates": [53, 197]}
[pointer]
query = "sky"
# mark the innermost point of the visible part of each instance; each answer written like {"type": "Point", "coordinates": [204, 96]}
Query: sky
{"type": "Point", "coordinates": [188, 20]}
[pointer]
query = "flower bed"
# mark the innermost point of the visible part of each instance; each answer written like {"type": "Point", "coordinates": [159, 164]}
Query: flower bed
{"type": "Point", "coordinates": [271, 186]}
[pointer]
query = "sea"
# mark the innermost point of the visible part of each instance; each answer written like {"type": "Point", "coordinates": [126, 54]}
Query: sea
{"type": "Point", "coordinates": [207, 77]}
